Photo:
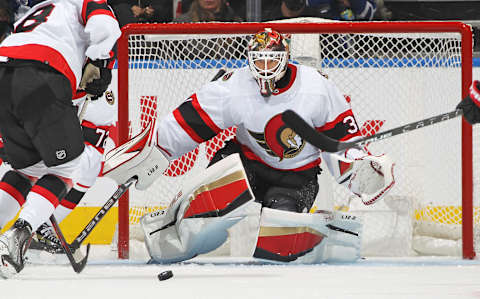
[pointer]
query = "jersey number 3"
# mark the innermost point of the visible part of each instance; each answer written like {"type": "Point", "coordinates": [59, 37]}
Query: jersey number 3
{"type": "Point", "coordinates": [34, 19]}
{"type": "Point", "coordinates": [352, 125]}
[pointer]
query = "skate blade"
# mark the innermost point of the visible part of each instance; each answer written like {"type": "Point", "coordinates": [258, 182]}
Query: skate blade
{"type": "Point", "coordinates": [7, 269]}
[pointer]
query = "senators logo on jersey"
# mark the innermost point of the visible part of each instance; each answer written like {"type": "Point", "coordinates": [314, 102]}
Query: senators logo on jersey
{"type": "Point", "coordinates": [278, 139]}
{"type": "Point", "coordinates": [109, 97]}
{"type": "Point", "coordinates": [227, 76]}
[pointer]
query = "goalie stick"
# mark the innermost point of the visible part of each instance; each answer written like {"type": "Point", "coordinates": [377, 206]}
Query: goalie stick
{"type": "Point", "coordinates": [328, 144]}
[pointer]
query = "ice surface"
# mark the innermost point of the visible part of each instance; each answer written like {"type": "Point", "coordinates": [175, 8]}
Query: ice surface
{"type": "Point", "coordinates": [105, 277]}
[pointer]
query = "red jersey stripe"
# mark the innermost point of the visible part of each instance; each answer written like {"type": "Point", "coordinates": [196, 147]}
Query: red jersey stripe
{"type": "Point", "coordinates": [45, 193]}
{"type": "Point", "coordinates": [43, 54]}
{"type": "Point", "coordinates": [13, 192]}
{"type": "Point", "coordinates": [181, 121]}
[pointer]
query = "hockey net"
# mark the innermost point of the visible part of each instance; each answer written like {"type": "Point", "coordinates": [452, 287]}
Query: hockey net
{"type": "Point", "coordinates": [394, 73]}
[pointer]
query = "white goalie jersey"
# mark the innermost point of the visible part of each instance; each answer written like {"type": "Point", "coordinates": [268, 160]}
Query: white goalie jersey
{"type": "Point", "coordinates": [234, 100]}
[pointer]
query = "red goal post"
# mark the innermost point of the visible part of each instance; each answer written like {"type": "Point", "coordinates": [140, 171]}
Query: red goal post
{"type": "Point", "coordinates": [129, 50]}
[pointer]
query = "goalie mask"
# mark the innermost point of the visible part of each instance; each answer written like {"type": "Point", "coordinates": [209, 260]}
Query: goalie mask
{"type": "Point", "coordinates": [268, 53]}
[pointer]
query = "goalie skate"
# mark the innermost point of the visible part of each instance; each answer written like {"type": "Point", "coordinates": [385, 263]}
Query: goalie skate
{"type": "Point", "coordinates": [138, 157]}
{"type": "Point", "coordinates": [13, 244]}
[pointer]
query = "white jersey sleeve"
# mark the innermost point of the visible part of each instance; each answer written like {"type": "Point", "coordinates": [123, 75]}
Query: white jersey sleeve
{"type": "Point", "coordinates": [89, 169]}
{"type": "Point", "coordinates": [102, 29]}
{"type": "Point", "coordinates": [100, 112]}
{"type": "Point", "coordinates": [202, 116]}
{"type": "Point", "coordinates": [62, 33]}
{"type": "Point", "coordinates": [335, 117]}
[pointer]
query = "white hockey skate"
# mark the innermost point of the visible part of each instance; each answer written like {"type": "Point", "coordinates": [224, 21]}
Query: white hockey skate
{"type": "Point", "coordinates": [13, 245]}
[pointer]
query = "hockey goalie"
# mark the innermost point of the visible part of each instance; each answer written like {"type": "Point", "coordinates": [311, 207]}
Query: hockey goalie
{"type": "Point", "coordinates": [259, 188]}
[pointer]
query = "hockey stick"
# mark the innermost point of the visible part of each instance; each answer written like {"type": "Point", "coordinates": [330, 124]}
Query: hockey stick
{"type": "Point", "coordinates": [219, 74]}
{"type": "Point", "coordinates": [103, 210]}
{"type": "Point", "coordinates": [76, 258]}
{"type": "Point", "coordinates": [328, 144]}
{"type": "Point", "coordinates": [82, 112]}
{"type": "Point", "coordinates": [74, 255]}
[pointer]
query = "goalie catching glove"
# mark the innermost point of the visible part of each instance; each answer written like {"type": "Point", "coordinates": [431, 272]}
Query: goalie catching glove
{"type": "Point", "coordinates": [372, 177]}
{"type": "Point", "coordinates": [96, 77]}
{"type": "Point", "coordinates": [367, 176]}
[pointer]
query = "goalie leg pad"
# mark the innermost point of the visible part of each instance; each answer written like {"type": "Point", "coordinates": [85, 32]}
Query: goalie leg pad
{"type": "Point", "coordinates": [185, 238]}
{"type": "Point", "coordinates": [303, 238]}
{"type": "Point", "coordinates": [138, 157]}
{"type": "Point", "coordinates": [197, 222]}
{"type": "Point", "coordinates": [292, 237]}
{"type": "Point", "coordinates": [344, 238]}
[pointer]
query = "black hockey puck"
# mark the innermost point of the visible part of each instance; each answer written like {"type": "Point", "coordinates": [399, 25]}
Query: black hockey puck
{"type": "Point", "coordinates": [165, 275]}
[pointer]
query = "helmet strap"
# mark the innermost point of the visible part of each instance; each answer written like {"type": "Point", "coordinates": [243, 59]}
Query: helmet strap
{"type": "Point", "coordinates": [266, 86]}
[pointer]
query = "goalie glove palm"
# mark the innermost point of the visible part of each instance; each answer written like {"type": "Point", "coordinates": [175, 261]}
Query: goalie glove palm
{"type": "Point", "coordinates": [372, 177]}
{"type": "Point", "coordinates": [96, 77]}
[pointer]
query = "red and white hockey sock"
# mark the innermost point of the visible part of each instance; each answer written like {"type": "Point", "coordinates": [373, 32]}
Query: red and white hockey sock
{"type": "Point", "coordinates": [42, 200]}
{"type": "Point", "coordinates": [9, 207]}
{"type": "Point", "coordinates": [61, 212]}
{"type": "Point", "coordinates": [36, 211]}
{"type": "Point", "coordinates": [13, 189]}
{"type": "Point", "coordinates": [67, 204]}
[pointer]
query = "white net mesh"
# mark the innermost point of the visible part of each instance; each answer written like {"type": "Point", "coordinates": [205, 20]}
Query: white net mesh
{"type": "Point", "coordinates": [392, 79]}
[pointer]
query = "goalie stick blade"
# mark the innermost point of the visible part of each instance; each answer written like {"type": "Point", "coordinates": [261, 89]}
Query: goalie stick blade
{"type": "Point", "coordinates": [325, 143]}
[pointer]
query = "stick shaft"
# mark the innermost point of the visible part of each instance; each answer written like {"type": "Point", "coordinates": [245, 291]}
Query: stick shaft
{"type": "Point", "coordinates": [82, 112]}
{"type": "Point", "coordinates": [103, 210]}
{"type": "Point", "coordinates": [328, 144]}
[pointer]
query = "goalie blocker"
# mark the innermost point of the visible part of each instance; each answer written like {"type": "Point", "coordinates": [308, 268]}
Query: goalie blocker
{"type": "Point", "coordinates": [219, 205]}
{"type": "Point", "coordinates": [138, 158]}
